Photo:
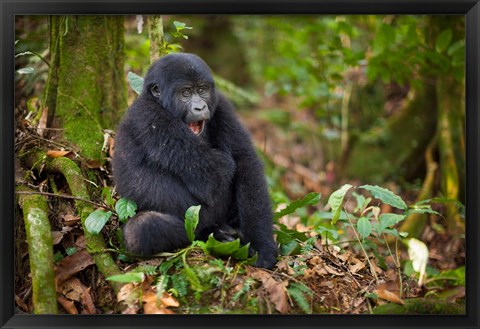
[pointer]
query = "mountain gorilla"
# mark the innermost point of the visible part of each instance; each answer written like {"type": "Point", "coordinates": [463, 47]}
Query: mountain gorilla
{"type": "Point", "coordinates": [181, 144]}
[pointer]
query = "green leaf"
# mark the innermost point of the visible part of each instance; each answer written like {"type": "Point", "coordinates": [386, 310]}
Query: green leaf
{"type": "Point", "coordinates": [179, 26]}
{"type": "Point", "coordinates": [96, 221]}
{"type": "Point", "coordinates": [386, 196]}
{"type": "Point", "coordinates": [389, 220]}
{"type": "Point", "coordinates": [422, 210]}
{"type": "Point", "coordinates": [136, 82]}
{"type": "Point", "coordinates": [364, 227]}
{"type": "Point", "coordinates": [458, 46]}
{"type": "Point", "coordinates": [218, 248]}
{"type": "Point", "coordinates": [107, 192]}
{"type": "Point", "coordinates": [127, 277]}
{"type": "Point", "coordinates": [26, 70]}
{"type": "Point", "coordinates": [193, 279]}
{"type": "Point", "coordinates": [24, 53]}
{"type": "Point", "coordinates": [443, 40]}
{"type": "Point", "coordinates": [192, 217]}
{"type": "Point", "coordinates": [308, 200]}
{"type": "Point", "coordinates": [230, 248]}
{"type": "Point", "coordinates": [328, 231]}
{"type": "Point", "coordinates": [336, 201]}
{"type": "Point", "coordinates": [125, 209]}
{"type": "Point", "coordinates": [290, 248]}
{"type": "Point", "coordinates": [70, 251]}
{"type": "Point", "coordinates": [298, 293]}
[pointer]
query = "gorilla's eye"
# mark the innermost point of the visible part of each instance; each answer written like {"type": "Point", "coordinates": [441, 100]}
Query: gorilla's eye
{"type": "Point", "coordinates": [202, 90]}
{"type": "Point", "coordinates": [155, 91]}
{"type": "Point", "coordinates": [186, 93]}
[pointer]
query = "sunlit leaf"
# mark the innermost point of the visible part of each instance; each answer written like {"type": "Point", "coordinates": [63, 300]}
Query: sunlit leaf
{"type": "Point", "coordinates": [26, 70]}
{"type": "Point", "coordinates": [364, 227]}
{"type": "Point", "coordinates": [443, 40]}
{"type": "Point", "coordinates": [136, 82]}
{"type": "Point", "coordinates": [389, 220]}
{"type": "Point", "coordinates": [386, 196]}
{"type": "Point", "coordinates": [95, 222]}
{"type": "Point", "coordinates": [125, 209]}
{"type": "Point", "coordinates": [336, 201]}
{"type": "Point", "coordinates": [192, 217]}
{"type": "Point", "coordinates": [309, 199]}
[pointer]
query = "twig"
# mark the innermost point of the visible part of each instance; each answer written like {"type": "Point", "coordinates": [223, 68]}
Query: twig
{"type": "Point", "coordinates": [66, 197]}
{"type": "Point", "coordinates": [372, 269]}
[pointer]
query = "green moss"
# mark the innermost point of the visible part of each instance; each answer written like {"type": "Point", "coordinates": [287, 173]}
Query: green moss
{"type": "Point", "coordinates": [91, 84]}
{"type": "Point", "coordinates": [421, 306]}
{"type": "Point", "coordinates": [40, 250]}
{"type": "Point", "coordinates": [75, 180]}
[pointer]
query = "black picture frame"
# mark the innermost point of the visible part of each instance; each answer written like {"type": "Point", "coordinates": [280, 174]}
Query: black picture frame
{"type": "Point", "coordinates": [10, 8]}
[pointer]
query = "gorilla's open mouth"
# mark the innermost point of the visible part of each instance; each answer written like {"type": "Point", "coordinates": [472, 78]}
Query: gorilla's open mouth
{"type": "Point", "coordinates": [197, 127]}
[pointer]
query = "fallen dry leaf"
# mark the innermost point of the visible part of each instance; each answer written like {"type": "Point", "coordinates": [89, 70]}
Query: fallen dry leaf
{"type": "Point", "coordinates": [130, 294]}
{"type": "Point", "coordinates": [154, 305]}
{"type": "Point", "coordinates": [68, 305]}
{"type": "Point", "coordinates": [276, 290]}
{"type": "Point", "coordinates": [57, 153]}
{"type": "Point", "coordinates": [75, 290]}
{"type": "Point", "coordinates": [57, 237]}
{"type": "Point", "coordinates": [388, 295]}
{"type": "Point", "coordinates": [71, 265]}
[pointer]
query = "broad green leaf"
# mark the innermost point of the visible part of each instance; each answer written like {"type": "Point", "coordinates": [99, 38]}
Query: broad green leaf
{"type": "Point", "coordinates": [70, 251]}
{"type": "Point", "coordinates": [125, 209]}
{"type": "Point", "coordinates": [423, 210]}
{"type": "Point", "coordinates": [308, 200]}
{"type": "Point", "coordinates": [96, 221]}
{"type": "Point", "coordinates": [364, 227]}
{"type": "Point", "coordinates": [26, 70]}
{"type": "Point", "coordinates": [127, 277]}
{"type": "Point", "coordinates": [230, 248]}
{"type": "Point", "coordinates": [389, 220]}
{"type": "Point", "coordinates": [443, 40]}
{"type": "Point", "coordinates": [251, 260]}
{"type": "Point", "coordinates": [290, 248]}
{"type": "Point", "coordinates": [192, 217]}
{"type": "Point", "coordinates": [332, 232]}
{"type": "Point", "coordinates": [386, 196]}
{"type": "Point", "coordinates": [218, 248]}
{"type": "Point", "coordinates": [136, 82]}
{"type": "Point", "coordinates": [242, 252]}
{"type": "Point", "coordinates": [458, 46]}
{"type": "Point", "coordinates": [336, 201]}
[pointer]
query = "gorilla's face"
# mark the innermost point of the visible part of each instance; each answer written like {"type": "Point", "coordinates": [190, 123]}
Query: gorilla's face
{"type": "Point", "coordinates": [183, 85]}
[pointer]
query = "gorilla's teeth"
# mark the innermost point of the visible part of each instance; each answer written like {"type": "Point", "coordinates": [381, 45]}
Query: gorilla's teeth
{"type": "Point", "coordinates": [196, 127]}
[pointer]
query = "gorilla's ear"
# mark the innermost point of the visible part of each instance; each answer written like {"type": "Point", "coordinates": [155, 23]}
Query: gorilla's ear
{"type": "Point", "coordinates": [155, 90]}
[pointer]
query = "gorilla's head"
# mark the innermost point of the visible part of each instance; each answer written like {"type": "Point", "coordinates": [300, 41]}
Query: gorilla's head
{"type": "Point", "coordinates": [183, 85]}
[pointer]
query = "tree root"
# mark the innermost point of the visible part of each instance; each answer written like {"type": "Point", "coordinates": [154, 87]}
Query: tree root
{"type": "Point", "coordinates": [40, 250]}
{"type": "Point", "coordinates": [75, 180]}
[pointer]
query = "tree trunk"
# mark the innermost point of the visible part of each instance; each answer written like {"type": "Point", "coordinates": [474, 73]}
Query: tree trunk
{"type": "Point", "coordinates": [86, 89]}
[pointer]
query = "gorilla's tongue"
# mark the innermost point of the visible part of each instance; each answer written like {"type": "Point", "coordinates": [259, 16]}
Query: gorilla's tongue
{"type": "Point", "coordinates": [196, 127]}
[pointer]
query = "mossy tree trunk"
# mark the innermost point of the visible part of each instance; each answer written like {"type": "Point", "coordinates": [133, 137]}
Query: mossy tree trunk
{"type": "Point", "coordinates": [396, 150]}
{"type": "Point", "coordinates": [86, 90]}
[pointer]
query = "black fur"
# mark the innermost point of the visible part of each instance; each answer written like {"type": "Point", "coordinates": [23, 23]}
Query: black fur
{"type": "Point", "coordinates": [165, 168]}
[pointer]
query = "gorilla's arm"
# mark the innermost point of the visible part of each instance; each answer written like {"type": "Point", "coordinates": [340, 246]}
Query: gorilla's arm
{"type": "Point", "coordinates": [253, 201]}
